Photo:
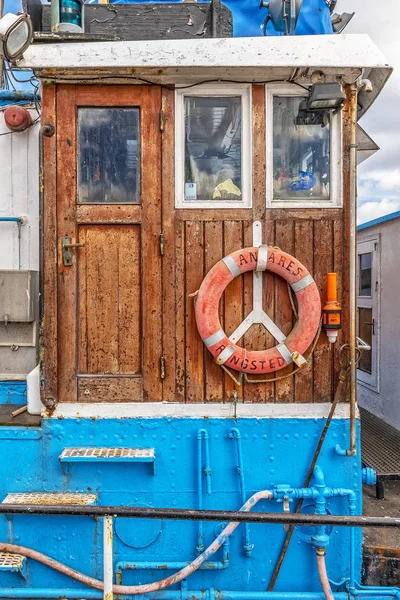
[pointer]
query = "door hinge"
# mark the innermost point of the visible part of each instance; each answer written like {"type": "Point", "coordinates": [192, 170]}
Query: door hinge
{"type": "Point", "coordinates": [162, 240]}
{"type": "Point", "coordinates": [162, 367]}
{"type": "Point", "coordinates": [162, 120]}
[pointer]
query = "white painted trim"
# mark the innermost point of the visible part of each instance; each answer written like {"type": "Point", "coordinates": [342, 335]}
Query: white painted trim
{"type": "Point", "coordinates": [197, 411]}
{"type": "Point", "coordinates": [336, 196]}
{"type": "Point", "coordinates": [242, 90]}
{"type": "Point", "coordinates": [339, 52]}
{"type": "Point", "coordinates": [371, 242]}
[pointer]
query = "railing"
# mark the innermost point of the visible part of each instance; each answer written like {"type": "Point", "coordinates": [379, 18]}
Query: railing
{"type": "Point", "coordinates": [106, 589]}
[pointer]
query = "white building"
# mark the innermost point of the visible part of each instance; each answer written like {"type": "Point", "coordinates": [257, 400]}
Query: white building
{"type": "Point", "coordinates": [378, 248]}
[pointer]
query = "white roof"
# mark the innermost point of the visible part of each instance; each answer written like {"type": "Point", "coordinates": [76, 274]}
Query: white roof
{"type": "Point", "coordinates": [240, 59]}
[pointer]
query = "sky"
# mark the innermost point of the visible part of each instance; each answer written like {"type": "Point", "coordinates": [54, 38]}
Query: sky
{"type": "Point", "coordinates": [378, 176]}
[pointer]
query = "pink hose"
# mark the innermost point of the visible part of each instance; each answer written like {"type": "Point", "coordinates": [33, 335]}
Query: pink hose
{"type": "Point", "coordinates": [323, 575]}
{"type": "Point", "coordinates": [149, 587]}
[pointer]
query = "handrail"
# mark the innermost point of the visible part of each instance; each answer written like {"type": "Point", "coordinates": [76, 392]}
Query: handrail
{"type": "Point", "coordinates": [184, 514]}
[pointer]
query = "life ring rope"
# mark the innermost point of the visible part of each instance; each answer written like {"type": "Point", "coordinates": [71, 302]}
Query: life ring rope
{"type": "Point", "coordinates": [289, 348]}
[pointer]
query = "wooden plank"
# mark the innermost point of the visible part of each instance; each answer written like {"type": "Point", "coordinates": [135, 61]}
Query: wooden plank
{"type": "Point", "coordinates": [120, 95]}
{"type": "Point", "coordinates": [213, 252]}
{"type": "Point", "coordinates": [194, 366]}
{"type": "Point", "coordinates": [258, 152]}
{"type": "Point", "coordinates": [102, 299]}
{"type": "Point", "coordinates": [169, 283]}
{"type": "Point", "coordinates": [82, 314]}
{"type": "Point", "coordinates": [129, 300]}
{"type": "Point", "coordinates": [67, 281]}
{"type": "Point", "coordinates": [110, 389]}
{"type": "Point", "coordinates": [338, 267]}
{"type": "Point", "coordinates": [304, 252]}
{"type": "Point", "coordinates": [323, 244]}
{"type": "Point", "coordinates": [233, 300]}
{"type": "Point", "coordinates": [216, 214]}
{"type": "Point", "coordinates": [49, 241]}
{"type": "Point", "coordinates": [284, 318]}
{"type": "Point", "coordinates": [109, 213]}
{"type": "Point", "coordinates": [151, 229]}
{"type": "Point", "coordinates": [180, 298]}
{"type": "Point", "coordinates": [163, 21]}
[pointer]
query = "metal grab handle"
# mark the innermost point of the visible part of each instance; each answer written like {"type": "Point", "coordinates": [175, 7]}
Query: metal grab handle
{"type": "Point", "coordinates": [361, 345]}
{"type": "Point", "coordinates": [66, 247]}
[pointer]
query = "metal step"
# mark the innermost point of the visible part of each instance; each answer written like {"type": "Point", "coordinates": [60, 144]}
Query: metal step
{"type": "Point", "coordinates": [61, 498]}
{"type": "Point", "coordinates": [88, 455]}
{"type": "Point", "coordinates": [13, 563]}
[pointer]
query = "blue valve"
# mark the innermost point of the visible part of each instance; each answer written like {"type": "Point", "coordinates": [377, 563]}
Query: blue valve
{"type": "Point", "coordinates": [368, 476]}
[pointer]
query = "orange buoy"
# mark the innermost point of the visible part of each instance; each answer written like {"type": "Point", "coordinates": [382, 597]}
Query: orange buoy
{"type": "Point", "coordinates": [290, 348]}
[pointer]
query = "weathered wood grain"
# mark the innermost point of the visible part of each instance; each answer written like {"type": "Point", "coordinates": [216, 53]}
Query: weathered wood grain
{"type": "Point", "coordinates": [50, 246]}
{"type": "Point", "coordinates": [110, 389]}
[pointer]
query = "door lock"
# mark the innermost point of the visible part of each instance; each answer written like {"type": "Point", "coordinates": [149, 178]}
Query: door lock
{"type": "Point", "coordinates": [66, 247]}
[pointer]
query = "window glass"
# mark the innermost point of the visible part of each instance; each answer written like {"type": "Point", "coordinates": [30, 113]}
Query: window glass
{"type": "Point", "coordinates": [301, 152]}
{"type": "Point", "coordinates": [108, 155]}
{"type": "Point", "coordinates": [213, 148]}
{"type": "Point", "coordinates": [365, 271]}
{"type": "Point", "coordinates": [365, 331]}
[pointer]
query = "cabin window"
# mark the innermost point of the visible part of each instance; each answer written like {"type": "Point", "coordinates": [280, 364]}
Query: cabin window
{"type": "Point", "coordinates": [368, 303]}
{"type": "Point", "coordinates": [303, 151]}
{"type": "Point", "coordinates": [108, 155]}
{"type": "Point", "coordinates": [213, 147]}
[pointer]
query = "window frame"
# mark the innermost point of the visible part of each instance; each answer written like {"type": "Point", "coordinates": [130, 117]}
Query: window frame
{"type": "Point", "coordinates": [370, 243]}
{"type": "Point", "coordinates": [218, 90]}
{"type": "Point", "coordinates": [336, 196]}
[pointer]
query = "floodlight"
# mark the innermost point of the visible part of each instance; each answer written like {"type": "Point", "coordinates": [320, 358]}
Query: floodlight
{"type": "Point", "coordinates": [325, 96]}
{"type": "Point", "coordinates": [16, 32]}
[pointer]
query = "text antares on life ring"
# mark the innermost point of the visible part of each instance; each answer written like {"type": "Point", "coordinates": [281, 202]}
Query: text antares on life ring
{"type": "Point", "coordinates": [295, 344]}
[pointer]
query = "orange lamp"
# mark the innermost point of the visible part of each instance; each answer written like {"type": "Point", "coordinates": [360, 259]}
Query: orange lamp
{"type": "Point", "coordinates": [332, 313]}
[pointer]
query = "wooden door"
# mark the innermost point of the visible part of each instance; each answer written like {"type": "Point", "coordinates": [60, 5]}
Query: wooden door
{"type": "Point", "coordinates": [109, 200]}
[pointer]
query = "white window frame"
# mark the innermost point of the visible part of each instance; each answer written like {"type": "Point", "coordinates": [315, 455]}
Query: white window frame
{"type": "Point", "coordinates": [207, 90]}
{"type": "Point", "coordinates": [336, 196]}
{"type": "Point", "coordinates": [370, 243]}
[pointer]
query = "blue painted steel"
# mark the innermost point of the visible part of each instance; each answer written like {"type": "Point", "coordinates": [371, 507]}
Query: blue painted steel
{"type": "Point", "coordinates": [211, 594]}
{"type": "Point", "coordinates": [235, 435]}
{"type": "Point", "coordinates": [202, 434]}
{"type": "Point", "coordinates": [268, 447]}
{"type": "Point", "coordinates": [368, 476]}
{"type": "Point", "coordinates": [13, 392]}
{"type": "Point", "coordinates": [8, 97]}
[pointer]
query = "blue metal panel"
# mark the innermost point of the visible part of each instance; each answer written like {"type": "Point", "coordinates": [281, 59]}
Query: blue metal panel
{"type": "Point", "coordinates": [12, 392]}
{"type": "Point", "coordinates": [273, 451]}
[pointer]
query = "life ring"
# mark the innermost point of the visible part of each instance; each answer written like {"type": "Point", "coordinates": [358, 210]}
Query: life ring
{"type": "Point", "coordinates": [291, 347]}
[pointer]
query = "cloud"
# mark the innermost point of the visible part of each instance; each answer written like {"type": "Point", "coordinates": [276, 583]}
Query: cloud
{"type": "Point", "coordinates": [374, 209]}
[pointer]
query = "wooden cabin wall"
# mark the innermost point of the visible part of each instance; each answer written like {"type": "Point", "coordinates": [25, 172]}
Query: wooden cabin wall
{"type": "Point", "coordinates": [196, 239]}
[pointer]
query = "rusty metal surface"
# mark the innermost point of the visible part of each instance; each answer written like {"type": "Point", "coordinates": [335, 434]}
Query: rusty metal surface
{"type": "Point", "coordinates": [183, 514]}
{"type": "Point", "coordinates": [380, 445]}
{"type": "Point", "coordinates": [50, 499]}
{"type": "Point", "coordinates": [11, 561]}
{"type": "Point", "coordinates": [381, 566]}
{"type": "Point", "coordinates": [108, 453]}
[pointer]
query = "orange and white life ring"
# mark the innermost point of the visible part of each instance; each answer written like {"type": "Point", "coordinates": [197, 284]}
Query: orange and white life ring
{"type": "Point", "coordinates": [290, 348]}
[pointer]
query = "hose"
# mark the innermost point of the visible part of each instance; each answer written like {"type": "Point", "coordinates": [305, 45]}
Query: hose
{"type": "Point", "coordinates": [148, 587]}
{"type": "Point", "coordinates": [323, 575]}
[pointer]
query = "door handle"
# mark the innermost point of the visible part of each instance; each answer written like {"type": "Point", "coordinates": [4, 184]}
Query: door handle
{"type": "Point", "coordinates": [372, 324]}
{"type": "Point", "coordinates": [66, 247]}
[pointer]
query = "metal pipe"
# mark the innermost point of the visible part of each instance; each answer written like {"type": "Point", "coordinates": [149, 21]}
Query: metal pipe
{"type": "Point", "coordinates": [12, 219]}
{"type": "Point", "coordinates": [173, 565]}
{"type": "Point", "coordinates": [85, 594]}
{"type": "Point", "coordinates": [352, 96]}
{"type": "Point", "coordinates": [108, 558]}
{"type": "Point", "coordinates": [202, 434]}
{"type": "Point", "coordinates": [183, 514]}
{"type": "Point", "coordinates": [235, 434]}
